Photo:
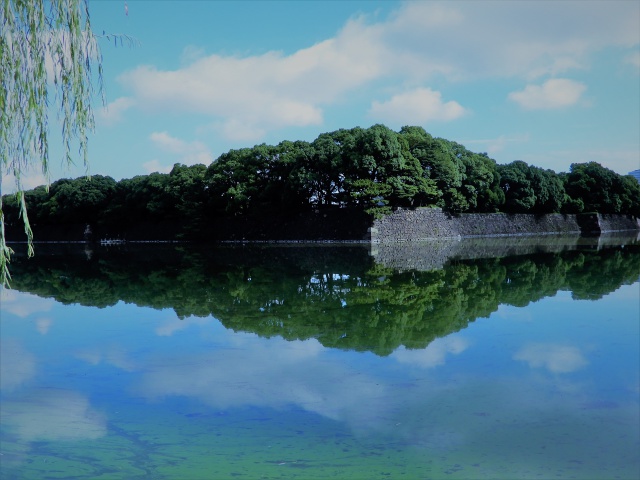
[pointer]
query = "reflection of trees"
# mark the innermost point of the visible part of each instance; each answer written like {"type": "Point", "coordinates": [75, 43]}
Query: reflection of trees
{"type": "Point", "coordinates": [335, 294]}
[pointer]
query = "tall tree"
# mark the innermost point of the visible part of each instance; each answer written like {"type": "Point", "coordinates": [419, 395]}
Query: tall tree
{"type": "Point", "coordinates": [480, 180]}
{"type": "Point", "coordinates": [601, 190]}
{"type": "Point", "coordinates": [439, 160]}
{"type": "Point", "coordinates": [520, 196]}
{"type": "Point", "coordinates": [80, 200]}
{"type": "Point", "coordinates": [383, 173]}
{"type": "Point", "coordinates": [322, 171]}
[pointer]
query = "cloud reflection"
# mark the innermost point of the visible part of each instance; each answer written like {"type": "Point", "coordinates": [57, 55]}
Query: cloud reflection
{"type": "Point", "coordinates": [274, 373]}
{"type": "Point", "coordinates": [112, 355]}
{"type": "Point", "coordinates": [555, 358]}
{"type": "Point", "coordinates": [17, 365]}
{"type": "Point", "coordinates": [52, 415]}
{"type": "Point", "coordinates": [434, 355]}
{"type": "Point", "coordinates": [23, 304]}
{"type": "Point", "coordinates": [43, 325]}
{"type": "Point", "coordinates": [176, 324]}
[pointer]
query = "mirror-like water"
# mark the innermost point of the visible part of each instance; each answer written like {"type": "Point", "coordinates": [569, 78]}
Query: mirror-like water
{"type": "Point", "coordinates": [323, 362]}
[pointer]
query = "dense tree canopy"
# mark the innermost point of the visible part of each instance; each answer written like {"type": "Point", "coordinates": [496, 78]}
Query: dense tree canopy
{"type": "Point", "coordinates": [374, 170]}
{"type": "Point", "coordinates": [529, 189]}
{"type": "Point", "coordinates": [598, 189]}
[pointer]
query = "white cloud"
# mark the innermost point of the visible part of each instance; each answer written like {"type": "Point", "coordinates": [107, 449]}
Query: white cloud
{"type": "Point", "coordinates": [179, 151]}
{"type": "Point", "coordinates": [238, 131]}
{"type": "Point", "coordinates": [555, 358]}
{"type": "Point", "coordinates": [28, 180]}
{"type": "Point", "coordinates": [192, 53]}
{"type": "Point", "coordinates": [526, 38]}
{"type": "Point", "coordinates": [247, 97]}
{"type": "Point", "coordinates": [554, 93]}
{"type": "Point", "coordinates": [112, 113]}
{"type": "Point", "coordinates": [155, 166]}
{"type": "Point", "coordinates": [418, 106]}
{"type": "Point", "coordinates": [251, 93]}
{"type": "Point", "coordinates": [496, 145]}
{"type": "Point", "coordinates": [190, 153]}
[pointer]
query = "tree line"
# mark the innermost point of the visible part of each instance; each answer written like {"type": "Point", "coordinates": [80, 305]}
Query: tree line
{"type": "Point", "coordinates": [374, 169]}
{"type": "Point", "coordinates": [337, 295]}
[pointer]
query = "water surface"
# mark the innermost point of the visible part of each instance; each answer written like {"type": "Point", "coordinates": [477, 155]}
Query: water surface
{"type": "Point", "coordinates": [322, 362]}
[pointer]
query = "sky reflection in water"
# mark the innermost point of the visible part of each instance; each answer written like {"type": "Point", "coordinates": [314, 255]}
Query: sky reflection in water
{"type": "Point", "coordinates": [550, 390]}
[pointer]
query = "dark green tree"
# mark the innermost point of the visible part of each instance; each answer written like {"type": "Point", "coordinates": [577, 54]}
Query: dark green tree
{"type": "Point", "coordinates": [530, 189]}
{"type": "Point", "coordinates": [515, 180]}
{"type": "Point", "coordinates": [382, 173]}
{"type": "Point", "coordinates": [79, 201]}
{"type": "Point", "coordinates": [321, 169]}
{"type": "Point", "coordinates": [601, 190]}
{"type": "Point", "coordinates": [441, 165]}
{"type": "Point", "coordinates": [235, 179]}
{"type": "Point", "coordinates": [480, 180]}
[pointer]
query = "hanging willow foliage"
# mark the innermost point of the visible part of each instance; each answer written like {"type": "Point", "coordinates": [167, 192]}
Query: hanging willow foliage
{"type": "Point", "coordinates": [47, 51]}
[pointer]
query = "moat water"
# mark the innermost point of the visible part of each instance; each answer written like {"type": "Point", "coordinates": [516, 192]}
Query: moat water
{"type": "Point", "coordinates": [160, 362]}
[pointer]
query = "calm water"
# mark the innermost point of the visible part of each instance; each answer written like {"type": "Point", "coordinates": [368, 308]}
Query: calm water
{"type": "Point", "coordinates": [496, 360]}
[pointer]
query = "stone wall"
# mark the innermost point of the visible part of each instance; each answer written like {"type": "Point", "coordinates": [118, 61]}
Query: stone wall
{"type": "Point", "coordinates": [429, 223]}
{"type": "Point", "coordinates": [618, 223]}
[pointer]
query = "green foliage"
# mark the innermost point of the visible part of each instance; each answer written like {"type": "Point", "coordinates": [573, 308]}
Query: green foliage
{"type": "Point", "coordinates": [443, 167]}
{"type": "Point", "coordinates": [242, 181]}
{"type": "Point", "coordinates": [602, 190]}
{"type": "Point", "coordinates": [462, 181]}
{"type": "Point", "coordinates": [370, 195]}
{"type": "Point", "coordinates": [529, 189]}
{"type": "Point", "coordinates": [516, 183]}
{"type": "Point", "coordinates": [372, 168]}
{"type": "Point", "coordinates": [76, 201]}
{"type": "Point", "coordinates": [321, 171]}
{"type": "Point", "coordinates": [143, 197]}
{"type": "Point", "coordinates": [482, 183]}
{"type": "Point", "coordinates": [32, 36]}
{"type": "Point", "coordinates": [178, 197]}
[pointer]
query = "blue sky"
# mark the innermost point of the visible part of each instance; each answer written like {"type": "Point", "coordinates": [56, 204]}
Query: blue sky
{"type": "Point", "coordinates": [547, 82]}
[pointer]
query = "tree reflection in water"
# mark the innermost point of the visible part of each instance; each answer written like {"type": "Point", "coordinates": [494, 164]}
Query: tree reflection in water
{"type": "Point", "coordinates": [336, 294]}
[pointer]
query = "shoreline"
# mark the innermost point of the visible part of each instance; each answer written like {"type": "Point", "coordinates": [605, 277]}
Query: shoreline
{"type": "Point", "coordinates": [340, 226]}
